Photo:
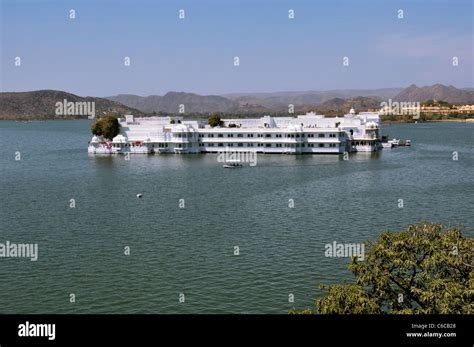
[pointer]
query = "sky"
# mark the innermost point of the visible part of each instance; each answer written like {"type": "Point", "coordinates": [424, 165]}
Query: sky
{"type": "Point", "coordinates": [86, 55]}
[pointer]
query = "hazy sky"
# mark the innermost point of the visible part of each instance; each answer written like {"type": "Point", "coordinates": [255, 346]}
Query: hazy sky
{"type": "Point", "coordinates": [85, 55]}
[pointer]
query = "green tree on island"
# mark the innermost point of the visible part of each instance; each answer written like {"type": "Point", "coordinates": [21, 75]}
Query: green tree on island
{"type": "Point", "coordinates": [426, 269]}
{"type": "Point", "coordinates": [215, 119]}
{"type": "Point", "coordinates": [107, 126]}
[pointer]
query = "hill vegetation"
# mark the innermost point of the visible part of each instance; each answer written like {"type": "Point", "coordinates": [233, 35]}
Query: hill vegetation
{"type": "Point", "coordinates": [41, 104]}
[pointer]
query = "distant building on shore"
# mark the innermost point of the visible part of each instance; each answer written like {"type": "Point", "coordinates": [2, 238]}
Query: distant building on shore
{"type": "Point", "coordinates": [428, 109]}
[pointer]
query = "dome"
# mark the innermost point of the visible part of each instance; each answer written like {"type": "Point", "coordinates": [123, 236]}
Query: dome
{"type": "Point", "coordinates": [119, 138]}
{"type": "Point", "coordinates": [95, 139]}
{"type": "Point", "coordinates": [294, 127]}
{"type": "Point", "coordinates": [372, 124]}
{"type": "Point", "coordinates": [180, 127]}
{"type": "Point", "coordinates": [352, 111]}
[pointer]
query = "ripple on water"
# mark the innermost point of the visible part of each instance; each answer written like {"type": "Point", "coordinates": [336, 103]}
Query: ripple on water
{"type": "Point", "coordinates": [190, 250]}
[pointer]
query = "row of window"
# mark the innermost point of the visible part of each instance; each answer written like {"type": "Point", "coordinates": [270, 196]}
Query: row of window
{"type": "Point", "coordinates": [205, 144]}
{"type": "Point", "coordinates": [120, 145]}
{"type": "Point", "coordinates": [185, 135]}
{"type": "Point", "coordinates": [271, 145]}
{"type": "Point", "coordinates": [363, 143]}
{"type": "Point", "coordinates": [276, 135]}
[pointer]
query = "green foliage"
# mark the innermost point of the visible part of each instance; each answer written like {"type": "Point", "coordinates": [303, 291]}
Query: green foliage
{"type": "Point", "coordinates": [429, 102]}
{"type": "Point", "coordinates": [294, 311]}
{"type": "Point", "coordinates": [438, 103]}
{"type": "Point", "coordinates": [426, 268]}
{"type": "Point", "coordinates": [96, 128]}
{"type": "Point", "coordinates": [347, 299]}
{"type": "Point", "coordinates": [215, 120]}
{"type": "Point", "coordinates": [107, 126]}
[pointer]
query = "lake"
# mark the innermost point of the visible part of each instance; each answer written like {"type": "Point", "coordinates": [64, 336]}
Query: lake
{"type": "Point", "coordinates": [184, 231]}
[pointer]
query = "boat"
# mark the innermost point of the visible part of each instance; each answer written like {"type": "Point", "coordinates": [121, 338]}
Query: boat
{"type": "Point", "coordinates": [395, 142]}
{"type": "Point", "coordinates": [231, 165]}
{"type": "Point", "coordinates": [386, 143]}
{"type": "Point", "coordinates": [408, 143]}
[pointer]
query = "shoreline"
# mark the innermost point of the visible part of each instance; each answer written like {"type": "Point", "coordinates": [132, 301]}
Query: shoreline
{"type": "Point", "coordinates": [467, 120]}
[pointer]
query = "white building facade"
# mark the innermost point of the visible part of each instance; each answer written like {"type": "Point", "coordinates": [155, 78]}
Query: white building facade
{"type": "Point", "coordinates": [309, 133]}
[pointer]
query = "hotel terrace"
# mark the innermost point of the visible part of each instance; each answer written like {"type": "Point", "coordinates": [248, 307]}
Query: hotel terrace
{"type": "Point", "coordinates": [309, 133]}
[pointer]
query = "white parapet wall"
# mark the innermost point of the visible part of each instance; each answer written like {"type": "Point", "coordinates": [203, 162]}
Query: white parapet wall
{"type": "Point", "coordinates": [309, 133]}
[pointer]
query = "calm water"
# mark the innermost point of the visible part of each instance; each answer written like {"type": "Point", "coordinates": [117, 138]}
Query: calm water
{"type": "Point", "coordinates": [190, 250]}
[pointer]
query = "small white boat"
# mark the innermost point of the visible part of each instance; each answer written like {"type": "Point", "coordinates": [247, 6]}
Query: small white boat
{"type": "Point", "coordinates": [408, 143]}
{"type": "Point", "coordinates": [388, 144]}
{"type": "Point", "coordinates": [395, 142]}
{"type": "Point", "coordinates": [232, 165]}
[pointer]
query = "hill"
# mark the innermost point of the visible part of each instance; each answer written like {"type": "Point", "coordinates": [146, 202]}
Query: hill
{"type": "Point", "coordinates": [439, 92]}
{"type": "Point", "coordinates": [245, 103]}
{"type": "Point", "coordinates": [41, 104]}
{"type": "Point", "coordinates": [171, 101]}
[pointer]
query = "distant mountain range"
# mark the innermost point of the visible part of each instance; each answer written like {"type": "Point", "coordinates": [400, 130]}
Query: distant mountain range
{"type": "Point", "coordinates": [338, 106]}
{"type": "Point", "coordinates": [304, 100]}
{"type": "Point", "coordinates": [41, 104]}
{"type": "Point", "coordinates": [436, 92]}
{"type": "Point", "coordinates": [245, 103]}
{"type": "Point", "coordinates": [170, 102]}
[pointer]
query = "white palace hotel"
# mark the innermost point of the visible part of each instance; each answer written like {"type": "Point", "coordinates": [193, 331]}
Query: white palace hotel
{"type": "Point", "coordinates": [309, 133]}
